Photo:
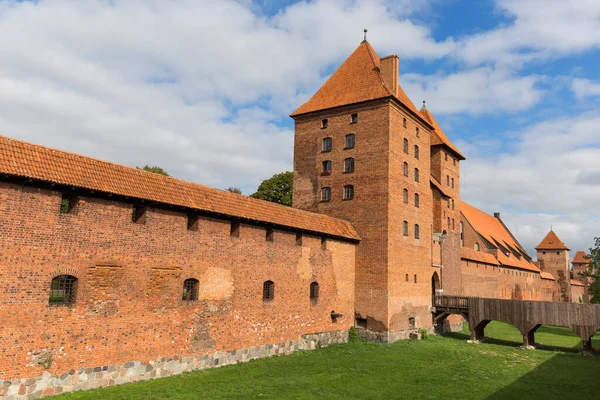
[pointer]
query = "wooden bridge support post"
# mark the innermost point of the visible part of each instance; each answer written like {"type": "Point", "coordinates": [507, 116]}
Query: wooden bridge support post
{"type": "Point", "coordinates": [587, 345]}
{"type": "Point", "coordinates": [478, 331]}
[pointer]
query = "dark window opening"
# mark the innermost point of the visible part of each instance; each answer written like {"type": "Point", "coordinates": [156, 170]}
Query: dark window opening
{"type": "Point", "coordinates": [268, 291]}
{"type": "Point", "coordinates": [350, 141]}
{"type": "Point", "coordinates": [348, 192]}
{"type": "Point", "coordinates": [415, 278]}
{"type": "Point", "coordinates": [405, 196]}
{"type": "Point", "coordinates": [418, 134]}
{"type": "Point", "coordinates": [416, 200]}
{"type": "Point", "coordinates": [446, 156]}
{"type": "Point", "coordinates": [354, 118]}
{"type": "Point", "coordinates": [68, 203]}
{"type": "Point", "coordinates": [138, 215]}
{"type": "Point", "coordinates": [416, 174]}
{"type": "Point", "coordinates": [416, 231]}
{"type": "Point", "coordinates": [63, 290]}
{"type": "Point", "coordinates": [299, 239]}
{"type": "Point", "coordinates": [269, 235]}
{"type": "Point", "coordinates": [405, 228]}
{"type": "Point", "coordinates": [192, 222]}
{"type": "Point", "coordinates": [323, 243]}
{"type": "Point", "coordinates": [327, 144]}
{"type": "Point", "coordinates": [405, 169]}
{"type": "Point", "coordinates": [416, 152]}
{"type": "Point", "coordinates": [452, 182]}
{"type": "Point", "coordinates": [190, 289]}
{"type": "Point", "coordinates": [411, 323]}
{"type": "Point", "coordinates": [349, 165]}
{"type": "Point", "coordinates": [454, 160]}
{"type": "Point", "coordinates": [314, 292]}
{"type": "Point", "coordinates": [235, 229]}
{"type": "Point", "coordinates": [326, 194]}
{"type": "Point", "coordinates": [405, 145]}
{"type": "Point", "coordinates": [406, 277]}
{"type": "Point", "coordinates": [361, 322]}
{"type": "Point", "coordinates": [327, 167]}
{"type": "Point", "coordinates": [324, 123]}
{"type": "Point", "coordinates": [453, 204]}
{"type": "Point", "coordinates": [404, 122]}
{"type": "Point", "coordinates": [447, 180]}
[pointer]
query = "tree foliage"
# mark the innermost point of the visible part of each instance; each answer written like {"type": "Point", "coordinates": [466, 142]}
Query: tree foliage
{"type": "Point", "coordinates": [277, 189]}
{"type": "Point", "coordinates": [156, 169]}
{"type": "Point", "coordinates": [592, 275]}
{"type": "Point", "coordinates": [234, 190]}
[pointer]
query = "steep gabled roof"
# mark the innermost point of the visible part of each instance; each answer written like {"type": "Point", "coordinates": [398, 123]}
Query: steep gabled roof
{"type": "Point", "coordinates": [496, 233]}
{"type": "Point", "coordinates": [358, 79]}
{"type": "Point", "coordinates": [478, 256]}
{"type": "Point", "coordinates": [577, 283]}
{"type": "Point", "coordinates": [581, 258]}
{"type": "Point", "coordinates": [439, 137]}
{"type": "Point", "coordinates": [22, 159]}
{"type": "Point", "coordinates": [551, 242]}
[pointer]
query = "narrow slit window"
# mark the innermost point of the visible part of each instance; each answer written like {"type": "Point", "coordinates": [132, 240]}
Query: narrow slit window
{"type": "Point", "coordinates": [314, 292]}
{"type": "Point", "coordinates": [269, 235]}
{"type": "Point", "coordinates": [453, 204]}
{"type": "Point", "coordinates": [190, 289]}
{"type": "Point", "coordinates": [348, 192]}
{"type": "Point", "coordinates": [350, 141]}
{"type": "Point", "coordinates": [405, 169]}
{"type": "Point", "coordinates": [327, 144]}
{"type": "Point", "coordinates": [416, 231]}
{"type": "Point", "coordinates": [417, 200]}
{"type": "Point", "coordinates": [63, 290]}
{"type": "Point", "coordinates": [354, 118]}
{"type": "Point", "coordinates": [415, 278]}
{"type": "Point", "coordinates": [326, 194]}
{"type": "Point", "coordinates": [235, 229]}
{"type": "Point", "coordinates": [447, 180]}
{"type": "Point", "coordinates": [416, 174]}
{"type": "Point", "coordinates": [405, 146]}
{"type": "Point", "coordinates": [405, 196]}
{"type": "Point", "coordinates": [405, 228]}
{"type": "Point", "coordinates": [68, 203]}
{"type": "Point", "coordinates": [416, 152]}
{"type": "Point", "coordinates": [138, 215]}
{"type": "Point", "coordinates": [452, 182]}
{"type": "Point", "coordinates": [349, 165]}
{"type": "Point", "coordinates": [268, 291]}
{"type": "Point", "coordinates": [406, 277]}
{"type": "Point", "coordinates": [192, 222]}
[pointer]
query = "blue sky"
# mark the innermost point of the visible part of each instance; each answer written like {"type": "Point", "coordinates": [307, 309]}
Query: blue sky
{"type": "Point", "coordinates": [204, 88]}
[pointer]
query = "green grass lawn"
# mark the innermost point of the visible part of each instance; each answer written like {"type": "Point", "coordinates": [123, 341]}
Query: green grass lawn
{"type": "Point", "coordinates": [436, 368]}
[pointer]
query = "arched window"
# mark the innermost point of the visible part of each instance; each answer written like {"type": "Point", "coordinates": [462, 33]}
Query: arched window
{"type": "Point", "coordinates": [314, 292]}
{"type": "Point", "coordinates": [416, 231]}
{"type": "Point", "coordinates": [462, 234]}
{"type": "Point", "coordinates": [416, 174]}
{"type": "Point", "coordinates": [416, 200]}
{"type": "Point", "coordinates": [417, 131]}
{"type": "Point", "coordinates": [405, 228]}
{"type": "Point", "coordinates": [406, 145]}
{"type": "Point", "coordinates": [404, 122]}
{"type": "Point", "coordinates": [405, 195]}
{"type": "Point", "coordinates": [63, 290]}
{"type": "Point", "coordinates": [416, 152]}
{"type": "Point", "coordinates": [476, 246]}
{"type": "Point", "coordinates": [405, 169]}
{"type": "Point", "coordinates": [268, 291]}
{"type": "Point", "coordinates": [190, 289]}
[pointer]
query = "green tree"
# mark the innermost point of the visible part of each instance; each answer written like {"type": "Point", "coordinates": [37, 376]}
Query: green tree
{"type": "Point", "coordinates": [156, 169]}
{"type": "Point", "coordinates": [592, 275]}
{"type": "Point", "coordinates": [277, 189]}
{"type": "Point", "coordinates": [234, 190]}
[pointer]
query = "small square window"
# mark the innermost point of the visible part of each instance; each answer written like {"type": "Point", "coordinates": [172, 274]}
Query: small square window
{"type": "Point", "coordinates": [326, 194]}
{"type": "Point", "coordinates": [327, 144]}
{"type": "Point", "coordinates": [348, 192]}
{"type": "Point", "coordinates": [349, 165]}
{"type": "Point", "coordinates": [192, 222]}
{"type": "Point", "coordinates": [138, 215]}
{"type": "Point", "coordinates": [354, 118]}
{"type": "Point", "coordinates": [350, 141]}
{"type": "Point", "coordinates": [68, 203]}
{"type": "Point", "coordinates": [324, 124]}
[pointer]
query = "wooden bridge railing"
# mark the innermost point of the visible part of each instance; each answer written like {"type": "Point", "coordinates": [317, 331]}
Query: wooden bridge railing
{"type": "Point", "coordinates": [460, 302]}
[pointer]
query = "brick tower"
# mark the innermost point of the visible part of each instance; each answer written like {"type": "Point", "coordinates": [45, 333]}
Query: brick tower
{"type": "Point", "coordinates": [362, 153]}
{"type": "Point", "coordinates": [553, 257]}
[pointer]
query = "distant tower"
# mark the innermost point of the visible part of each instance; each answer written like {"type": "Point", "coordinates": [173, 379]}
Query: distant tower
{"type": "Point", "coordinates": [553, 257]}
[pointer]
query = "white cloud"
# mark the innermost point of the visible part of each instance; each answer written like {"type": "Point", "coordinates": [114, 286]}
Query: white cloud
{"type": "Point", "coordinates": [585, 88]}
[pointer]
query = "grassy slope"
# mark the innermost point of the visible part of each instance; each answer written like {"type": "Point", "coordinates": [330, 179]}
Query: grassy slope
{"type": "Point", "coordinates": [439, 367]}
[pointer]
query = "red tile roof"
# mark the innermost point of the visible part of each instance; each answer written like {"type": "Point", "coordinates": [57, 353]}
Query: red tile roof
{"type": "Point", "coordinates": [547, 275]}
{"type": "Point", "coordinates": [551, 242]}
{"type": "Point", "coordinates": [358, 79]}
{"type": "Point", "coordinates": [439, 137]}
{"type": "Point", "coordinates": [576, 283]}
{"type": "Point", "coordinates": [478, 256]}
{"type": "Point", "coordinates": [581, 258]}
{"type": "Point", "coordinates": [495, 232]}
{"type": "Point", "coordinates": [22, 159]}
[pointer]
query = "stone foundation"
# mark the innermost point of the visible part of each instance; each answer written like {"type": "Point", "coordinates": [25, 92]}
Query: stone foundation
{"type": "Point", "coordinates": [390, 337]}
{"type": "Point", "coordinates": [134, 371]}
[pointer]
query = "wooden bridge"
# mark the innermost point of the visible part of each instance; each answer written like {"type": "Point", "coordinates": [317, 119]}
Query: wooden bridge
{"type": "Point", "coordinates": [527, 316]}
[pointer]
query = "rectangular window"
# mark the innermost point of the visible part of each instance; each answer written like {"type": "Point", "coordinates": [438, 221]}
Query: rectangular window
{"type": "Point", "coordinates": [68, 203]}
{"type": "Point", "coordinates": [192, 222]}
{"type": "Point", "coordinates": [354, 118]}
{"type": "Point", "coordinates": [349, 165]}
{"type": "Point", "coordinates": [416, 231]}
{"type": "Point", "coordinates": [326, 194]}
{"type": "Point", "coordinates": [235, 229]}
{"type": "Point", "coordinates": [269, 235]}
{"type": "Point", "coordinates": [138, 215]}
{"type": "Point", "coordinates": [327, 167]}
{"type": "Point", "coordinates": [327, 144]}
{"type": "Point", "coordinates": [416, 200]}
{"type": "Point", "coordinates": [324, 124]}
{"type": "Point", "coordinates": [348, 192]}
{"type": "Point", "coordinates": [350, 139]}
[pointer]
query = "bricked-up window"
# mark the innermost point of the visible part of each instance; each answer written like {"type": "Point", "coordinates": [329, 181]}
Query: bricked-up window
{"type": "Point", "coordinates": [314, 292]}
{"type": "Point", "coordinates": [406, 145]}
{"type": "Point", "coordinates": [327, 144]}
{"type": "Point", "coordinates": [354, 118]}
{"type": "Point", "coordinates": [416, 200]}
{"type": "Point", "coordinates": [405, 228]}
{"type": "Point", "coordinates": [452, 182]}
{"type": "Point", "coordinates": [63, 290]}
{"type": "Point", "coordinates": [326, 194]}
{"type": "Point", "coordinates": [404, 122]}
{"type": "Point", "coordinates": [348, 192]}
{"type": "Point", "coordinates": [269, 235]}
{"type": "Point", "coordinates": [190, 289]}
{"type": "Point", "coordinates": [405, 196]}
{"type": "Point", "coordinates": [268, 291]}
{"type": "Point", "coordinates": [349, 165]}
{"type": "Point", "coordinates": [405, 169]}
{"type": "Point", "coordinates": [416, 231]}
{"type": "Point", "coordinates": [327, 166]}
{"type": "Point", "coordinates": [324, 123]}
{"type": "Point", "coordinates": [138, 215]}
{"type": "Point", "coordinates": [68, 203]}
{"type": "Point", "coordinates": [235, 229]}
{"type": "Point", "coordinates": [192, 222]}
{"type": "Point", "coordinates": [416, 174]}
{"type": "Point", "coordinates": [350, 141]}
{"type": "Point", "coordinates": [416, 152]}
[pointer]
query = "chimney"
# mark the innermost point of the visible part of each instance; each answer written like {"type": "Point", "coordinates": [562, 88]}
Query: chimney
{"type": "Point", "coordinates": [497, 215]}
{"type": "Point", "coordinates": [389, 73]}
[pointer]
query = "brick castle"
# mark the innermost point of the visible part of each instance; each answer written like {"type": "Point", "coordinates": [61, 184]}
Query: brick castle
{"type": "Point", "coordinates": [110, 274]}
